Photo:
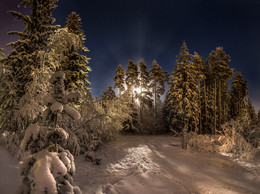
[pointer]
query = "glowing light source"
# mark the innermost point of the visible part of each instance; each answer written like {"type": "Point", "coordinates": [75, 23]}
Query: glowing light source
{"type": "Point", "coordinates": [137, 90]}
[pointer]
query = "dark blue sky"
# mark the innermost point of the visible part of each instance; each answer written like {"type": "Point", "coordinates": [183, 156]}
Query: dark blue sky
{"type": "Point", "coordinates": [118, 30]}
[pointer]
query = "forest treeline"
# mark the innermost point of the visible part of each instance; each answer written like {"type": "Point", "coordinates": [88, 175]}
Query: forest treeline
{"type": "Point", "coordinates": [199, 97]}
{"type": "Point", "coordinates": [202, 95]}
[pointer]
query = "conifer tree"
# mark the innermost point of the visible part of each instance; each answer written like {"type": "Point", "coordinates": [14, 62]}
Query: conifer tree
{"type": "Point", "coordinates": [22, 64]}
{"type": "Point", "coordinates": [212, 90]}
{"type": "Point", "coordinates": [221, 73]}
{"type": "Point", "coordinates": [145, 93]}
{"type": "Point", "coordinates": [131, 123]}
{"type": "Point", "coordinates": [75, 64]}
{"type": "Point", "coordinates": [183, 92]}
{"type": "Point", "coordinates": [108, 94]}
{"type": "Point", "coordinates": [132, 78]}
{"type": "Point", "coordinates": [158, 77]}
{"type": "Point", "coordinates": [1, 53]}
{"type": "Point", "coordinates": [74, 25]}
{"type": "Point", "coordinates": [8, 97]}
{"type": "Point", "coordinates": [32, 41]}
{"type": "Point", "coordinates": [258, 117]}
{"type": "Point", "coordinates": [238, 94]}
{"type": "Point", "coordinates": [49, 168]}
{"type": "Point", "coordinates": [199, 68]}
{"type": "Point", "coordinates": [251, 111]}
{"type": "Point", "coordinates": [119, 79]}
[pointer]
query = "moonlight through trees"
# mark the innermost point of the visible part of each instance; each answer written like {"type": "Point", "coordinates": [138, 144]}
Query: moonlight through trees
{"type": "Point", "coordinates": [39, 95]}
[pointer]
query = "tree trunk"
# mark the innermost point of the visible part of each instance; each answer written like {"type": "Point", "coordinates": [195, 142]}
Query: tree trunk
{"type": "Point", "coordinates": [141, 106]}
{"type": "Point", "coordinates": [132, 94]}
{"type": "Point", "coordinates": [200, 127]}
{"type": "Point", "coordinates": [215, 106]}
{"type": "Point", "coordinates": [155, 101]}
{"type": "Point", "coordinates": [219, 104]}
{"type": "Point", "coordinates": [206, 109]}
{"type": "Point", "coordinates": [184, 134]}
{"type": "Point", "coordinates": [239, 104]}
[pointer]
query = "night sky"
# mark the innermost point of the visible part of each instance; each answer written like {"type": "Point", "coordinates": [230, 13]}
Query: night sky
{"type": "Point", "coordinates": [119, 30]}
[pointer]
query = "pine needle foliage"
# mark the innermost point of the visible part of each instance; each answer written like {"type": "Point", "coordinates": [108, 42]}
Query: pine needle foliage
{"type": "Point", "coordinates": [75, 64]}
{"type": "Point", "coordinates": [119, 79]}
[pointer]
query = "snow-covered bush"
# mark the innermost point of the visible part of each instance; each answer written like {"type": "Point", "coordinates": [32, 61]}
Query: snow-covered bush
{"type": "Point", "coordinates": [254, 136]}
{"type": "Point", "coordinates": [201, 143]}
{"type": "Point", "coordinates": [12, 141]}
{"type": "Point", "coordinates": [251, 155]}
{"type": "Point", "coordinates": [30, 105]}
{"type": "Point", "coordinates": [100, 122]}
{"type": "Point", "coordinates": [233, 141]}
{"type": "Point", "coordinates": [49, 168]}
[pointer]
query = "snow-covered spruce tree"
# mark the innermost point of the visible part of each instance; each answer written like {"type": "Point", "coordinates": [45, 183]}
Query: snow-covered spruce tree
{"type": "Point", "coordinates": [119, 79]}
{"type": "Point", "coordinates": [75, 64]}
{"type": "Point", "coordinates": [183, 92]}
{"type": "Point", "coordinates": [8, 108]}
{"type": "Point", "coordinates": [26, 58]}
{"type": "Point", "coordinates": [49, 168]}
{"type": "Point", "coordinates": [8, 103]}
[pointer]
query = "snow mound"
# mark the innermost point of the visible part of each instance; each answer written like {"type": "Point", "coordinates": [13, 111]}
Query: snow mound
{"type": "Point", "coordinates": [47, 168]}
{"type": "Point", "coordinates": [48, 100]}
{"type": "Point", "coordinates": [235, 144]}
{"type": "Point", "coordinates": [58, 134]}
{"type": "Point", "coordinates": [137, 159]}
{"type": "Point", "coordinates": [72, 112]}
{"type": "Point", "coordinates": [56, 107]}
{"type": "Point", "coordinates": [32, 133]}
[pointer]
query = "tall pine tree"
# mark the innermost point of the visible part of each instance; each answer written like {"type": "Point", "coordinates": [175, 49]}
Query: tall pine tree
{"type": "Point", "coordinates": [145, 95]}
{"type": "Point", "coordinates": [199, 68]}
{"type": "Point", "coordinates": [183, 92]}
{"type": "Point", "coordinates": [221, 74]}
{"type": "Point", "coordinates": [119, 79]}
{"type": "Point", "coordinates": [238, 93]}
{"type": "Point", "coordinates": [132, 78]}
{"type": "Point", "coordinates": [158, 78]}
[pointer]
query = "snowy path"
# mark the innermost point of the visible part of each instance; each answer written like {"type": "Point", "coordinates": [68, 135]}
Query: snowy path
{"type": "Point", "coordinates": [149, 165]}
{"type": "Point", "coordinates": [9, 173]}
{"type": "Point", "coordinates": [157, 164]}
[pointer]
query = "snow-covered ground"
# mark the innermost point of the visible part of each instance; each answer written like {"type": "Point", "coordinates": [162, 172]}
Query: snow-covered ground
{"type": "Point", "coordinates": [151, 165]}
